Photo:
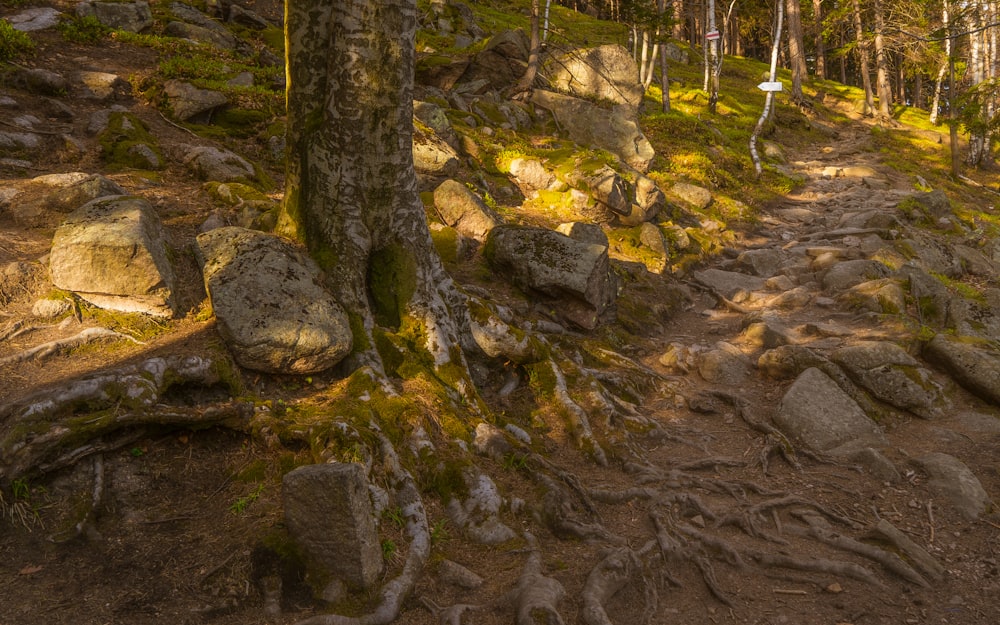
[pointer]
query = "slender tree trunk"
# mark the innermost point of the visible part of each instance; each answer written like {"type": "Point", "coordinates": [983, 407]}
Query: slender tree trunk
{"type": "Point", "coordinates": [351, 190]}
{"type": "Point", "coordinates": [796, 47]}
{"type": "Point", "coordinates": [714, 61]}
{"type": "Point", "coordinates": [819, 45]}
{"type": "Point", "coordinates": [882, 65]}
{"type": "Point", "coordinates": [918, 90]}
{"type": "Point", "coordinates": [769, 98]}
{"type": "Point", "coordinates": [936, 102]}
{"type": "Point", "coordinates": [531, 72]}
{"type": "Point", "coordinates": [866, 78]}
{"type": "Point", "coordinates": [664, 78]}
{"type": "Point", "coordinates": [843, 63]}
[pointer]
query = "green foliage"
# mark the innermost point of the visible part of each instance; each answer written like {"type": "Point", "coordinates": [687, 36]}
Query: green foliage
{"type": "Point", "coordinates": [395, 516]}
{"type": "Point", "coordinates": [240, 505]}
{"type": "Point", "coordinates": [389, 550]}
{"type": "Point", "coordinates": [86, 30]}
{"type": "Point", "coordinates": [13, 43]}
{"type": "Point", "coordinates": [439, 532]}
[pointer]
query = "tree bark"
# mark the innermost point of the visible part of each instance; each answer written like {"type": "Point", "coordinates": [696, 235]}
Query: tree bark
{"type": "Point", "coordinates": [528, 80]}
{"type": "Point", "coordinates": [796, 47]}
{"type": "Point", "coordinates": [819, 44]}
{"type": "Point", "coordinates": [351, 189]}
{"type": "Point", "coordinates": [866, 78]}
{"type": "Point", "coordinates": [882, 65]}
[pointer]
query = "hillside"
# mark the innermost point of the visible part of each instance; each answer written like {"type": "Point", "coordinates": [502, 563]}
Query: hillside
{"type": "Point", "coordinates": [783, 406]}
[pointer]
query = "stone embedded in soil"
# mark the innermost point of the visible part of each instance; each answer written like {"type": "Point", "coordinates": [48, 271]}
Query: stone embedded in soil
{"type": "Point", "coordinates": [112, 252]}
{"type": "Point", "coordinates": [271, 307]}
{"type": "Point", "coordinates": [729, 283]}
{"type": "Point", "coordinates": [464, 211]}
{"type": "Point", "coordinates": [891, 375]}
{"type": "Point", "coordinates": [972, 363]}
{"type": "Point", "coordinates": [329, 515]}
{"type": "Point", "coordinates": [952, 480]}
{"type": "Point", "coordinates": [818, 414]}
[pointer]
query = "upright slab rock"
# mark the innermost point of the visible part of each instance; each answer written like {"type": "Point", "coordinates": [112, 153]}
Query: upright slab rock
{"type": "Point", "coordinates": [462, 209]}
{"type": "Point", "coordinates": [602, 73]}
{"type": "Point", "coordinates": [576, 273]}
{"type": "Point", "coordinates": [329, 515]}
{"type": "Point", "coordinates": [112, 252]}
{"type": "Point", "coordinates": [271, 307]}
{"type": "Point", "coordinates": [817, 413]}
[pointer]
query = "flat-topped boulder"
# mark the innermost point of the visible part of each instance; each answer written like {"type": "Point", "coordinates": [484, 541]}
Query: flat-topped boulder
{"type": "Point", "coordinates": [112, 252]}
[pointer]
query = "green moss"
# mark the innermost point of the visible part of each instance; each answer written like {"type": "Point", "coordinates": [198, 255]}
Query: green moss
{"type": "Point", "coordinates": [241, 122]}
{"type": "Point", "coordinates": [124, 132]}
{"type": "Point", "coordinates": [274, 37]}
{"type": "Point", "coordinates": [392, 280]}
{"type": "Point", "coordinates": [446, 243]}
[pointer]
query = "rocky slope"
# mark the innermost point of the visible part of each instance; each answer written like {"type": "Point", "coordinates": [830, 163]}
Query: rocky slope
{"type": "Point", "coordinates": [821, 445]}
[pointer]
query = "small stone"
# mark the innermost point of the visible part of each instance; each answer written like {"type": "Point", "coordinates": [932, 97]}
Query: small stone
{"type": "Point", "coordinates": [698, 520]}
{"type": "Point", "coordinates": [835, 588]}
{"type": "Point", "coordinates": [49, 308]}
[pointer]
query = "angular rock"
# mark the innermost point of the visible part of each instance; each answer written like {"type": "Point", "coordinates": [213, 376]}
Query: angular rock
{"type": "Point", "coordinates": [462, 209]}
{"type": "Point", "coordinates": [725, 365]}
{"type": "Point", "coordinates": [218, 165]}
{"type": "Point", "coordinates": [541, 260]}
{"type": "Point", "coordinates": [952, 480]}
{"type": "Point", "coordinates": [19, 141]}
{"type": "Point", "coordinates": [606, 186]}
{"type": "Point", "coordinates": [329, 514]}
{"type": "Point", "coordinates": [934, 204]}
{"type": "Point", "coordinates": [891, 375]}
{"type": "Point", "coordinates": [974, 364]}
{"type": "Point", "coordinates": [818, 414]}
{"type": "Point", "coordinates": [647, 202]}
{"type": "Point", "coordinates": [244, 17]}
{"type": "Point", "coordinates": [101, 86]}
{"type": "Point", "coordinates": [112, 252]}
{"type": "Point", "coordinates": [530, 174]}
{"type": "Point", "coordinates": [764, 262]}
{"type": "Point", "coordinates": [42, 81]}
{"type": "Point", "coordinates": [584, 232]}
{"type": "Point", "coordinates": [432, 156]}
{"type": "Point", "coordinates": [615, 130]}
{"type": "Point", "coordinates": [878, 296]}
{"type": "Point", "coordinates": [848, 273]}
{"type": "Point", "coordinates": [607, 73]}
{"type": "Point", "coordinates": [189, 103]}
{"type": "Point", "coordinates": [434, 117]}
{"type": "Point", "coordinates": [34, 19]}
{"type": "Point", "coordinates": [271, 307]}
{"type": "Point", "coordinates": [698, 197]}
{"type": "Point", "coordinates": [193, 32]}
{"type": "Point", "coordinates": [728, 283]}
{"type": "Point", "coordinates": [134, 17]}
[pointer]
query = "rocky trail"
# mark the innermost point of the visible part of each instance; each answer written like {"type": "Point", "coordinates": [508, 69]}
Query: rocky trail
{"type": "Point", "coordinates": [821, 444]}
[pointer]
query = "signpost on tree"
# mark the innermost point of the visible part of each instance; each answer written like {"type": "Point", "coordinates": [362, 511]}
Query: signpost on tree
{"type": "Point", "coordinates": [770, 86]}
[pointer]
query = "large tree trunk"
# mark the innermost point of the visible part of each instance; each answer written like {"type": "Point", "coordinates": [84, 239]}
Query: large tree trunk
{"type": "Point", "coordinates": [350, 191]}
{"type": "Point", "coordinates": [796, 47]}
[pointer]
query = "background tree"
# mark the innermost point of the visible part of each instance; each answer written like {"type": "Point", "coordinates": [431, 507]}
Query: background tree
{"type": "Point", "coordinates": [796, 47]}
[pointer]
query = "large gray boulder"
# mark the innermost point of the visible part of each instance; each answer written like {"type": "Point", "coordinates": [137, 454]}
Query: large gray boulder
{"type": "Point", "coordinates": [607, 73]}
{"type": "Point", "coordinates": [45, 200]}
{"type": "Point", "coordinates": [848, 273]}
{"type": "Point", "coordinates": [462, 209]}
{"type": "Point", "coordinates": [112, 252]}
{"type": "Point", "coordinates": [34, 19]}
{"type": "Point", "coordinates": [615, 130]}
{"type": "Point", "coordinates": [729, 284]}
{"type": "Point", "coordinates": [575, 273]}
{"type": "Point", "coordinates": [818, 414]}
{"type": "Point", "coordinates": [329, 515]}
{"type": "Point", "coordinates": [190, 103]}
{"type": "Point", "coordinates": [131, 16]}
{"type": "Point", "coordinates": [951, 479]}
{"type": "Point", "coordinates": [891, 375]}
{"type": "Point", "coordinates": [218, 164]}
{"type": "Point", "coordinates": [271, 307]}
{"type": "Point", "coordinates": [973, 363]}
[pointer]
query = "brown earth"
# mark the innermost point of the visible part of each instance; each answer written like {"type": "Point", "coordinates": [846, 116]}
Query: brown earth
{"type": "Point", "coordinates": [188, 523]}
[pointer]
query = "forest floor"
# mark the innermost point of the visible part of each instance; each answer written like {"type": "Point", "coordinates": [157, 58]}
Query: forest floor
{"type": "Point", "coordinates": [185, 527]}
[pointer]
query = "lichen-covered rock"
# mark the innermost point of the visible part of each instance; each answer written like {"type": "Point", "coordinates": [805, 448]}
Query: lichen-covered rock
{"type": "Point", "coordinates": [112, 252]}
{"type": "Point", "coordinates": [193, 32]}
{"type": "Point", "coordinates": [100, 86]}
{"type": "Point", "coordinates": [433, 157]}
{"type": "Point", "coordinates": [127, 143]}
{"type": "Point", "coordinates": [576, 274]}
{"type": "Point", "coordinates": [975, 364]}
{"type": "Point", "coordinates": [615, 130]}
{"type": "Point", "coordinates": [34, 19]}
{"type": "Point", "coordinates": [891, 375]}
{"type": "Point", "coordinates": [44, 200]}
{"type": "Point", "coordinates": [951, 479]}
{"type": "Point", "coordinates": [131, 16]}
{"type": "Point", "coordinates": [729, 283]}
{"type": "Point", "coordinates": [462, 209]}
{"type": "Point", "coordinates": [271, 307]}
{"type": "Point", "coordinates": [647, 202]}
{"type": "Point", "coordinates": [329, 515]}
{"type": "Point", "coordinates": [218, 165]}
{"type": "Point", "coordinates": [848, 273]}
{"type": "Point", "coordinates": [189, 103]}
{"type": "Point", "coordinates": [818, 414]}
{"type": "Point", "coordinates": [607, 73]}
{"type": "Point", "coordinates": [697, 197]}
{"type": "Point", "coordinates": [884, 296]}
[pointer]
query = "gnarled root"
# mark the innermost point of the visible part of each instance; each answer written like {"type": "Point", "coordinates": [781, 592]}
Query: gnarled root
{"type": "Point", "coordinates": [536, 598]}
{"type": "Point", "coordinates": [50, 348]}
{"type": "Point", "coordinates": [612, 573]}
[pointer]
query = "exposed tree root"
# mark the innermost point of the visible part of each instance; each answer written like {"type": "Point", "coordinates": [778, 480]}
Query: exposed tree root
{"type": "Point", "coordinates": [617, 568]}
{"type": "Point", "coordinates": [50, 348]}
{"type": "Point", "coordinates": [817, 565]}
{"type": "Point", "coordinates": [917, 554]}
{"type": "Point", "coordinates": [43, 431]}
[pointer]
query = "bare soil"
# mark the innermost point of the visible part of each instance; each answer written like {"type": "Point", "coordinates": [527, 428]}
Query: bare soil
{"type": "Point", "coordinates": [188, 524]}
